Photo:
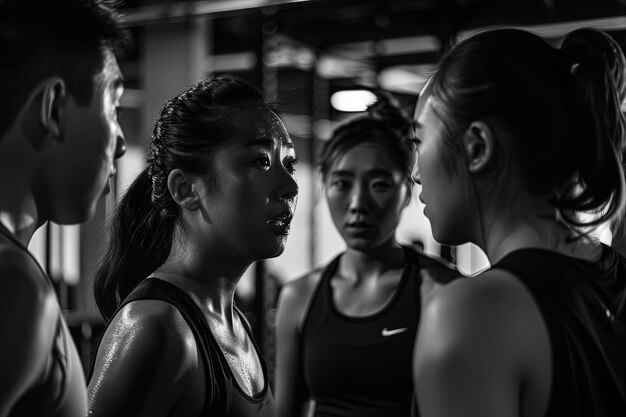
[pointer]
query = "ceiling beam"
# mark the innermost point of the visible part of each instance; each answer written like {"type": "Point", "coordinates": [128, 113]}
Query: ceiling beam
{"type": "Point", "coordinates": [145, 15]}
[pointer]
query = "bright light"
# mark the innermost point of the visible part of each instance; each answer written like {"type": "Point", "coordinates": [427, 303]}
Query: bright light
{"type": "Point", "coordinates": [352, 100]}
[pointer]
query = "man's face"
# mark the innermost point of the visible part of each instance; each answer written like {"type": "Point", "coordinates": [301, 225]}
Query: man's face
{"type": "Point", "coordinates": [91, 139]}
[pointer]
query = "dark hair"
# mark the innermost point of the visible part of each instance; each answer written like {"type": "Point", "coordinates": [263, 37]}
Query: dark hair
{"type": "Point", "coordinates": [44, 38]}
{"type": "Point", "coordinates": [384, 124]}
{"type": "Point", "coordinates": [187, 134]}
{"type": "Point", "coordinates": [560, 107]}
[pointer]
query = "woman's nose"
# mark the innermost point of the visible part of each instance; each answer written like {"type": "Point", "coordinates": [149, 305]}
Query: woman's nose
{"type": "Point", "coordinates": [359, 200]}
{"type": "Point", "coordinates": [289, 189]}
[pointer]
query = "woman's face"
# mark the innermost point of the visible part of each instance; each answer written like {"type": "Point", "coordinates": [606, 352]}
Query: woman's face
{"type": "Point", "coordinates": [366, 192]}
{"type": "Point", "coordinates": [445, 190]}
{"type": "Point", "coordinates": [251, 204]}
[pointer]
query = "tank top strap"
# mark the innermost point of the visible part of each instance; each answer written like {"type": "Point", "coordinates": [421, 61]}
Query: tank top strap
{"type": "Point", "coordinates": [329, 270]}
{"type": "Point", "coordinates": [325, 275]}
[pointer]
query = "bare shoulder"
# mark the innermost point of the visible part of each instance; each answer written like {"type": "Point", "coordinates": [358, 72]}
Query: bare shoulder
{"type": "Point", "coordinates": [489, 291]}
{"type": "Point", "coordinates": [146, 338]}
{"type": "Point", "coordinates": [25, 294]}
{"type": "Point", "coordinates": [488, 308]}
{"type": "Point", "coordinates": [301, 288]}
{"type": "Point", "coordinates": [30, 315]}
{"type": "Point", "coordinates": [21, 276]}
{"type": "Point", "coordinates": [483, 337]}
{"type": "Point", "coordinates": [295, 297]}
{"type": "Point", "coordinates": [151, 326]}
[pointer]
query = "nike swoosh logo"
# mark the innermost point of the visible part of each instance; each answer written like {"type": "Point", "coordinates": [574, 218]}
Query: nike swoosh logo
{"type": "Point", "coordinates": [387, 332]}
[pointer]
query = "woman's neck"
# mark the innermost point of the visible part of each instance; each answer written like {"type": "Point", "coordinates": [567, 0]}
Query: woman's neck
{"type": "Point", "coordinates": [372, 263]}
{"type": "Point", "coordinates": [214, 294]}
{"type": "Point", "coordinates": [204, 274]}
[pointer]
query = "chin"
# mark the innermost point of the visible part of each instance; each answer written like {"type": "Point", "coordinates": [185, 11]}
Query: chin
{"type": "Point", "coordinates": [276, 248]}
{"type": "Point", "coordinates": [75, 216]}
{"type": "Point", "coordinates": [364, 243]}
{"type": "Point", "coordinates": [279, 247]}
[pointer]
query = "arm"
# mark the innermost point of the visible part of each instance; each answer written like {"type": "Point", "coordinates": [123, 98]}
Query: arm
{"type": "Point", "coordinates": [145, 362]}
{"type": "Point", "coordinates": [28, 319]}
{"type": "Point", "coordinates": [290, 387]}
{"type": "Point", "coordinates": [469, 354]}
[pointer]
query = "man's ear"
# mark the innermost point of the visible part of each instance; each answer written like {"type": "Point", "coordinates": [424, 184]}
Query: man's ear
{"type": "Point", "coordinates": [478, 145]}
{"type": "Point", "coordinates": [183, 190]}
{"type": "Point", "coordinates": [42, 115]}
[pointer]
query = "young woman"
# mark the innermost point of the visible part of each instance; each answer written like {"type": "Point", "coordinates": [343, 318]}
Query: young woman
{"type": "Point", "coordinates": [345, 331]}
{"type": "Point", "coordinates": [520, 152]}
{"type": "Point", "coordinates": [218, 194]}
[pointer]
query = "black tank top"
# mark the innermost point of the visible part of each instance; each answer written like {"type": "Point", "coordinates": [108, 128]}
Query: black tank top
{"type": "Point", "coordinates": [224, 397]}
{"type": "Point", "coordinates": [584, 307]}
{"type": "Point", "coordinates": [361, 366]}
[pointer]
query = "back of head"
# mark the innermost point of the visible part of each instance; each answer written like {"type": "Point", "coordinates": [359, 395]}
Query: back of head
{"type": "Point", "coordinates": [384, 124]}
{"type": "Point", "coordinates": [558, 109]}
{"type": "Point", "coordinates": [189, 131]}
{"type": "Point", "coordinates": [45, 38]}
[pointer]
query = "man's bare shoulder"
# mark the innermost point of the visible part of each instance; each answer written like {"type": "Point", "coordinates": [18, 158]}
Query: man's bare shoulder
{"type": "Point", "coordinates": [29, 305]}
{"type": "Point", "coordinates": [21, 278]}
{"type": "Point", "coordinates": [29, 316]}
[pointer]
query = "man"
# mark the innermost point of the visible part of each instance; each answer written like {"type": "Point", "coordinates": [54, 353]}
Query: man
{"type": "Point", "coordinates": [60, 89]}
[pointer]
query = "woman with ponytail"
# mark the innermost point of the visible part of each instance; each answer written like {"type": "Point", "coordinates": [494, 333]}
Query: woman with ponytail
{"type": "Point", "coordinates": [218, 194]}
{"type": "Point", "coordinates": [345, 331]}
{"type": "Point", "coordinates": [519, 151]}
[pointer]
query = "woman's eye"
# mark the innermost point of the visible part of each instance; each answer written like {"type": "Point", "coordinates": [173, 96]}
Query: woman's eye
{"type": "Point", "coordinates": [381, 185]}
{"type": "Point", "coordinates": [339, 184]}
{"type": "Point", "coordinates": [264, 162]}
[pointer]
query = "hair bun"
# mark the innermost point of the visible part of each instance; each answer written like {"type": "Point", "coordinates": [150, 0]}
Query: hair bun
{"type": "Point", "coordinates": [386, 109]}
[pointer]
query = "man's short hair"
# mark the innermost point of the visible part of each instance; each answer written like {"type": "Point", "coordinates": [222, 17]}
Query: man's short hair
{"type": "Point", "coordinates": [44, 38]}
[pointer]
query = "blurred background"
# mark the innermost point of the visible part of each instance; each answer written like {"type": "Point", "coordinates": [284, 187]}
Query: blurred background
{"type": "Point", "coordinates": [318, 59]}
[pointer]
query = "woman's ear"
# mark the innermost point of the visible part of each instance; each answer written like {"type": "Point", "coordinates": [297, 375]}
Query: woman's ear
{"type": "Point", "coordinates": [478, 144]}
{"type": "Point", "coordinates": [182, 188]}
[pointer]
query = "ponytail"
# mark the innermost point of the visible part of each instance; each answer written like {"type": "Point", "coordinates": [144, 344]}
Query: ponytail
{"type": "Point", "coordinates": [566, 131]}
{"type": "Point", "coordinates": [140, 241]}
{"type": "Point", "coordinates": [596, 64]}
